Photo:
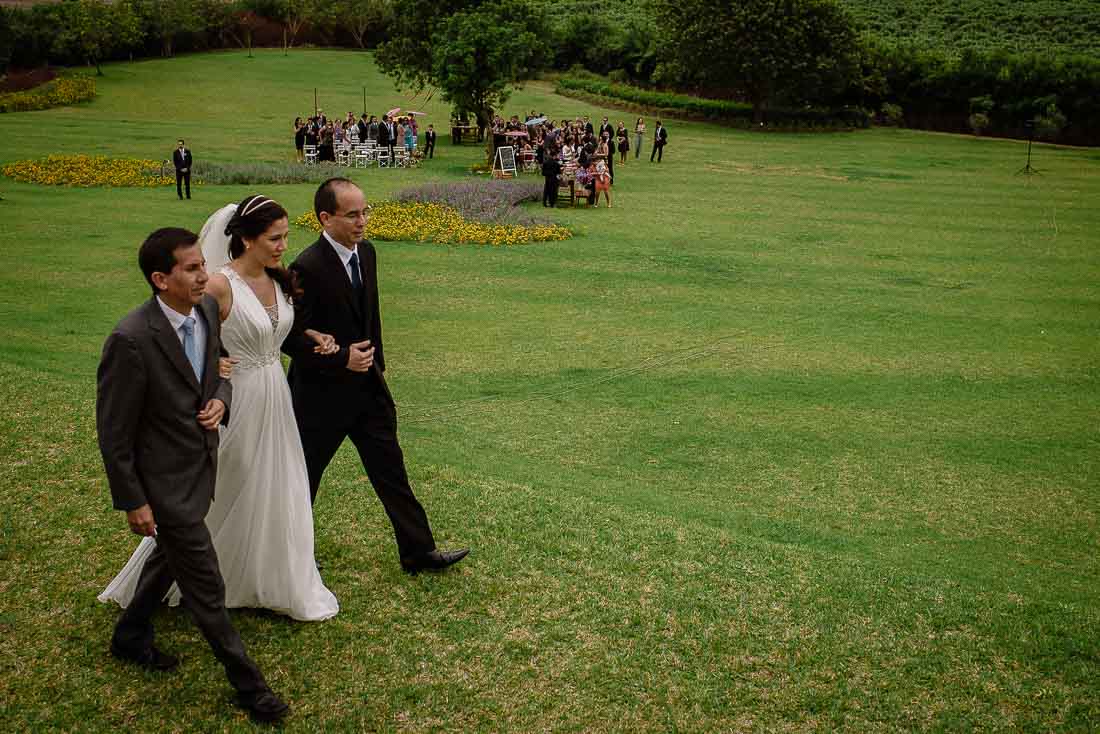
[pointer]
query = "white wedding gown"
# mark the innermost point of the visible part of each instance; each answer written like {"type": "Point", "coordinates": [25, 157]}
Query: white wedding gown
{"type": "Point", "coordinates": [261, 520]}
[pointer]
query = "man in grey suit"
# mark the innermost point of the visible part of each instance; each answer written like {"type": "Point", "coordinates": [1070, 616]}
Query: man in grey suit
{"type": "Point", "coordinates": [159, 402]}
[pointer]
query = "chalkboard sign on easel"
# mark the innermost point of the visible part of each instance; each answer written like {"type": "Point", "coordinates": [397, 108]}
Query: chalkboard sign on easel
{"type": "Point", "coordinates": [505, 163]}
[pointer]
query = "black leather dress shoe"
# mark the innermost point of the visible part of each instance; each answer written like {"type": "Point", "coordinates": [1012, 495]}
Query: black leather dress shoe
{"type": "Point", "coordinates": [151, 659]}
{"type": "Point", "coordinates": [264, 707]}
{"type": "Point", "coordinates": [436, 560]}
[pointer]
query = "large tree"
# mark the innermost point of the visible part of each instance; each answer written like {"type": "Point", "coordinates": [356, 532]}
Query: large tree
{"type": "Point", "coordinates": [92, 29]}
{"type": "Point", "coordinates": [475, 52]}
{"type": "Point", "coordinates": [791, 51]}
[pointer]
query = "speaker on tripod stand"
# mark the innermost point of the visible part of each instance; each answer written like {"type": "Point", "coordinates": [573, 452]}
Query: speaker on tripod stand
{"type": "Point", "coordinates": [1028, 169]}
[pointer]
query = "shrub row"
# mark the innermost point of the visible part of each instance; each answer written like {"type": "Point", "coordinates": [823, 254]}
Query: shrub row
{"type": "Point", "coordinates": [66, 90]}
{"type": "Point", "coordinates": [737, 113]}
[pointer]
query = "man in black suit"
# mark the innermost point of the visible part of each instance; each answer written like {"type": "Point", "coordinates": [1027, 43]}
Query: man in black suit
{"type": "Point", "coordinates": [181, 156]}
{"type": "Point", "coordinates": [363, 128]}
{"type": "Point", "coordinates": [344, 395]}
{"type": "Point", "coordinates": [159, 401]}
{"type": "Point", "coordinates": [386, 134]}
{"type": "Point", "coordinates": [551, 170]}
{"type": "Point", "coordinates": [429, 142]}
{"type": "Point", "coordinates": [660, 137]}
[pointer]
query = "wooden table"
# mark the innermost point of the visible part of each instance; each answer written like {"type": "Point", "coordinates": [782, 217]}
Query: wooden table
{"type": "Point", "coordinates": [465, 134]}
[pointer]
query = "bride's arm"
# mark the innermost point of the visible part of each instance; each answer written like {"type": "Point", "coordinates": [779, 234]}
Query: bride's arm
{"type": "Point", "coordinates": [218, 287]}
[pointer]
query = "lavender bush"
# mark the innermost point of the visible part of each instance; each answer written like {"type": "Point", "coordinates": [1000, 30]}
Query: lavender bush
{"type": "Point", "coordinates": [489, 201]}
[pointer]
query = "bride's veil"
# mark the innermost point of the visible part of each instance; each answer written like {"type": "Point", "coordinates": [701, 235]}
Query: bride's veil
{"type": "Point", "coordinates": [214, 240]}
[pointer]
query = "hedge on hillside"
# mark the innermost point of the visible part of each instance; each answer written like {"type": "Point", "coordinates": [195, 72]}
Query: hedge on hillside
{"type": "Point", "coordinates": [715, 109]}
{"type": "Point", "coordinates": [62, 91]}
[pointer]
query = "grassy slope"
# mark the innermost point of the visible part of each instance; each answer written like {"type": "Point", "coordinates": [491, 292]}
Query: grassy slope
{"type": "Point", "coordinates": [802, 433]}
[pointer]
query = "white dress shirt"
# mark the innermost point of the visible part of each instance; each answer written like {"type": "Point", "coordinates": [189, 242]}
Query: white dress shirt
{"type": "Point", "coordinates": [344, 254]}
{"type": "Point", "coordinates": [176, 319]}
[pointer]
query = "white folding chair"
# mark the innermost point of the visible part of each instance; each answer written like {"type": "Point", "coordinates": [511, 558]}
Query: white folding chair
{"type": "Point", "coordinates": [310, 152]}
{"type": "Point", "coordinates": [382, 155]}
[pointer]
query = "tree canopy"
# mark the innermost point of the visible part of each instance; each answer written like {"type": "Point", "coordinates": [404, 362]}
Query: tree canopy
{"type": "Point", "coordinates": [793, 51]}
{"type": "Point", "coordinates": [474, 55]}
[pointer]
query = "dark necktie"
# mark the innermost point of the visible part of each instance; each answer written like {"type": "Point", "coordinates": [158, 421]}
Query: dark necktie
{"type": "Point", "coordinates": [356, 279]}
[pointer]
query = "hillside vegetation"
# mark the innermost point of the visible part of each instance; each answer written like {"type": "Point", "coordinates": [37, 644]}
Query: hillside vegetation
{"type": "Point", "coordinates": [1041, 26]}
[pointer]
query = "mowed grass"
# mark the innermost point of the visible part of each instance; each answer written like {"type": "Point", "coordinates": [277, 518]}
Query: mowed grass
{"type": "Point", "coordinates": [800, 435]}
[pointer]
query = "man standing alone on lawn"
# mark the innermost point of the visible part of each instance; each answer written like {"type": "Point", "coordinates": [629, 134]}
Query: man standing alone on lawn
{"type": "Point", "coordinates": [181, 156]}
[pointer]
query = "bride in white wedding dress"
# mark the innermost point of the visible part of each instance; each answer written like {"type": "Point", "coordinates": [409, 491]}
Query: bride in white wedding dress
{"type": "Point", "coordinates": [261, 521]}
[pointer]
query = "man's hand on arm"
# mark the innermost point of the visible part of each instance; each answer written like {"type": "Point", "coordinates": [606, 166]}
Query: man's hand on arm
{"type": "Point", "coordinates": [211, 415]}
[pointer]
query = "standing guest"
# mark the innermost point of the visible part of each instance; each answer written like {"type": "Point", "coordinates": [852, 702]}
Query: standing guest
{"type": "Point", "coordinates": [321, 119]}
{"type": "Point", "coordinates": [429, 142]}
{"type": "Point", "coordinates": [386, 135]}
{"type": "Point", "coordinates": [326, 151]}
{"type": "Point", "coordinates": [410, 135]}
{"type": "Point", "coordinates": [551, 169]}
{"type": "Point", "coordinates": [338, 134]}
{"type": "Point", "coordinates": [182, 159]}
{"type": "Point", "coordinates": [364, 128]}
{"type": "Point", "coordinates": [588, 126]}
{"type": "Point", "coordinates": [608, 129]}
{"type": "Point", "coordinates": [602, 150]}
{"type": "Point", "coordinates": [660, 138]}
{"type": "Point", "coordinates": [639, 136]}
{"type": "Point", "coordinates": [603, 182]}
{"type": "Point", "coordinates": [344, 395]}
{"type": "Point", "coordinates": [159, 402]}
{"type": "Point", "coordinates": [299, 138]}
{"type": "Point", "coordinates": [624, 142]}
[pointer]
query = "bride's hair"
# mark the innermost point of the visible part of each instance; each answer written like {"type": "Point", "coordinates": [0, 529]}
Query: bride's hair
{"type": "Point", "coordinates": [253, 217]}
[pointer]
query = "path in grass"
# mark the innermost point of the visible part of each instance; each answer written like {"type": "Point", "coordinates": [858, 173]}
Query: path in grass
{"type": "Point", "coordinates": [802, 433]}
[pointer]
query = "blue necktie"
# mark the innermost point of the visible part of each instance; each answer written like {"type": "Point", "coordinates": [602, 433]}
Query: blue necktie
{"type": "Point", "coordinates": [356, 279]}
{"type": "Point", "coordinates": [189, 349]}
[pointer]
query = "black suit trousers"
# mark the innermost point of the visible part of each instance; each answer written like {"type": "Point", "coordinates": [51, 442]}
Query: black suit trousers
{"type": "Point", "coordinates": [373, 431]}
{"type": "Point", "coordinates": [183, 179]}
{"type": "Point", "coordinates": [186, 556]}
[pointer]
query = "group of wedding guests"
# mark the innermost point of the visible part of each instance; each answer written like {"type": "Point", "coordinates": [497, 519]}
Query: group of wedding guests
{"type": "Point", "coordinates": [332, 135]}
{"type": "Point", "coordinates": [577, 151]}
{"type": "Point", "coordinates": [216, 455]}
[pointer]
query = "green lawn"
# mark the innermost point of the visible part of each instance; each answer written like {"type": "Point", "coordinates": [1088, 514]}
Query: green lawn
{"type": "Point", "coordinates": [802, 434]}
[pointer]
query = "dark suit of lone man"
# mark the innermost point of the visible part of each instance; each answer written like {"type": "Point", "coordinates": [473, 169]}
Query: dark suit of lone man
{"type": "Point", "coordinates": [159, 402]}
{"type": "Point", "coordinates": [660, 137]}
{"type": "Point", "coordinates": [429, 142]}
{"type": "Point", "coordinates": [181, 157]}
{"type": "Point", "coordinates": [344, 395]}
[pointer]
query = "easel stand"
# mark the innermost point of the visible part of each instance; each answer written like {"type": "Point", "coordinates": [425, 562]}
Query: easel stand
{"type": "Point", "coordinates": [504, 164]}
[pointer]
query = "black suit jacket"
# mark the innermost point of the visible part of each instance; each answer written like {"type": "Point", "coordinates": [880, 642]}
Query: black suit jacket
{"type": "Point", "coordinates": [660, 136]}
{"type": "Point", "coordinates": [322, 386]}
{"type": "Point", "coordinates": [383, 134]}
{"type": "Point", "coordinates": [147, 396]}
{"type": "Point", "coordinates": [182, 161]}
{"type": "Point", "coordinates": [429, 137]}
{"type": "Point", "coordinates": [362, 131]}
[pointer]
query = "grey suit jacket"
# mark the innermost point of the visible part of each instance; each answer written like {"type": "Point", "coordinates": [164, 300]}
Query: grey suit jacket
{"type": "Point", "coordinates": [147, 399]}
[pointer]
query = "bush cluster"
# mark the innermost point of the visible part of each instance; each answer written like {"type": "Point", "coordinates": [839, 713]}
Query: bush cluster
{"type": "Point", "coordinates": [288, 172]}
{"type": "Point", "coordinates": [65, 90]}
{"type": "Point", "coordinates": [394, 221]}
{"type": "Point", "coordinates": [87, 170]}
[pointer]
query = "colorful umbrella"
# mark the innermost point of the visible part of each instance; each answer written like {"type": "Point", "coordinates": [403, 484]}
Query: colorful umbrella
{"type": "Point", "coordinates": [413, 112]}
{"type": "Point", "coordinates": [537, 121]}
{"type": "Point", "coordinates": [393, 112]}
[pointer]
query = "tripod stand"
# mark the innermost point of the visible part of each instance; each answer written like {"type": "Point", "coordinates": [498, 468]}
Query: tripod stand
{"type": "Point", "coordinates": [1028, 169]}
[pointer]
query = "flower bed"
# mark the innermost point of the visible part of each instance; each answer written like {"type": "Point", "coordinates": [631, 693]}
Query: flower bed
{"type": "Point", "coordinates": [443, 224]}
{"type": "Point", "coordinates": [89, 170]}
{"type": "Point", "coordinates": [66, 90]}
